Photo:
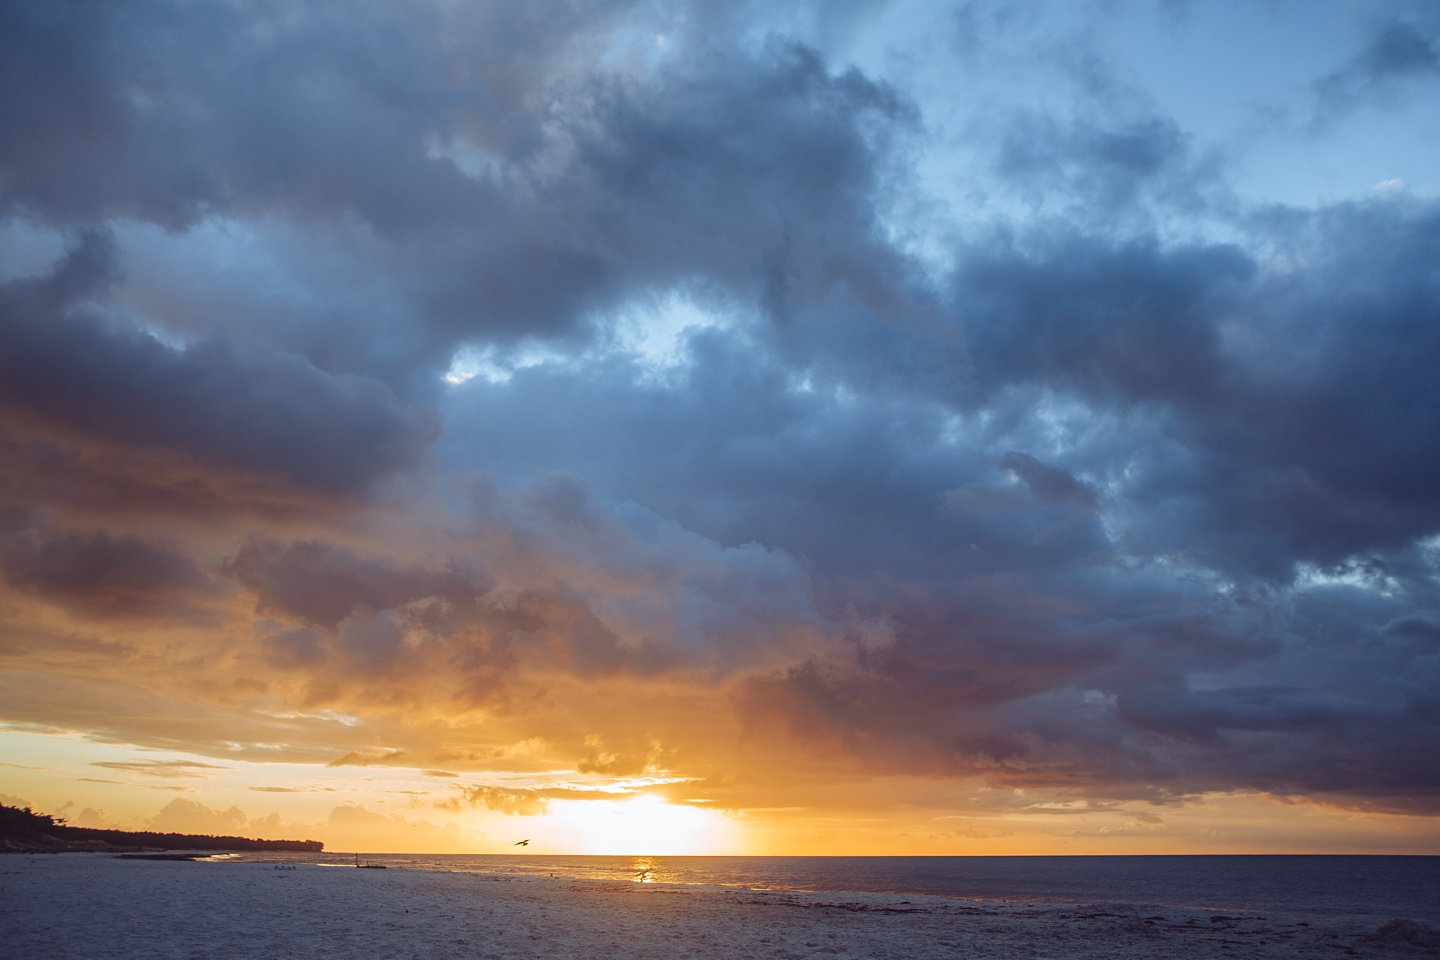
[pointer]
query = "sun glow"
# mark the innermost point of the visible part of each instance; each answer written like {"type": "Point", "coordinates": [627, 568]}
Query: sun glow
{"type": "Point", "coordinates": [645, 826]}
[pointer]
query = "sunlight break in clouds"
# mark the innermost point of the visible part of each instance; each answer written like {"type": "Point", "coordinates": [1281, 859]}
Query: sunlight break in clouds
{"type": "Point", "coordinates": [645, 826]}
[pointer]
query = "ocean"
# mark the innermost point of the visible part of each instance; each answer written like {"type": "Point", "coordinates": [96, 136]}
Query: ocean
{"type": "Point", "coordinates": [1355, 887]}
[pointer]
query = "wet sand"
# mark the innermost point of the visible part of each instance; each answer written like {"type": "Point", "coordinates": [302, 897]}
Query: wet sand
{"type": "Point", "coordinates": [92, 905]}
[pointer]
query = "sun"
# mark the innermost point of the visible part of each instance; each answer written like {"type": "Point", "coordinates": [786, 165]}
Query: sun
{"type": "Point", "coordinates": [644, 826]}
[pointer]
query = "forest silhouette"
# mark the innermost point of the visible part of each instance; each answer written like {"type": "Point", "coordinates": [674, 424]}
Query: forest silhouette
{"type": "Point", "coordinates": [22, 830]}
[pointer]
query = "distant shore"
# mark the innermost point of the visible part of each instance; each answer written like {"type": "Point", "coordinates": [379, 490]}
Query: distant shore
{"type": "Point", "coordinates": [76, 905]}
{"type": "Point", "coordinates": [25, 831]}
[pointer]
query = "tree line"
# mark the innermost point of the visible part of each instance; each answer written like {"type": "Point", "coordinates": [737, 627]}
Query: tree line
{"type": "Point", "coordinates": [24, 830]}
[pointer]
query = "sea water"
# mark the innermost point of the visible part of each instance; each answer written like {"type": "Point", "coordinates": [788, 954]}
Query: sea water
{"type": "Point", "coordinates": [1371, 887]}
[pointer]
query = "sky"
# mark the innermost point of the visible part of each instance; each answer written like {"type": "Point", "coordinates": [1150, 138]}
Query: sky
{"type": "Point", "coordinates": [660, 427]}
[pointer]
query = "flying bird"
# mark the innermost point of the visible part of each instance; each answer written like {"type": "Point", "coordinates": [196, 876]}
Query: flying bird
{"type": "Point", "coordinates": [521, 843]}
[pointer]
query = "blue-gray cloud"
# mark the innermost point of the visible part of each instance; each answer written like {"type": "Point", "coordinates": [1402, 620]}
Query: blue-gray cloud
{"type": "Point", "coordinates": [1398, 55]}
{"type": "Point", "coordinates": [1118, 486]}
{"type": "Point", "coordinates": [237, 408]}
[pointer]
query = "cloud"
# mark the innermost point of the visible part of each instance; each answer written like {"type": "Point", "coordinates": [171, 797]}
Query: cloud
{"type": "Point", "coordinates": [526, 803]}
{"type": "Point", "coordinates": [356, 827]}
{"type": "Point", "coordinates": [996, 439]}
{"type": "Point", "coordinates": [100, 574]}
{"type": "Point", "coordinates": [1106, 168]}
{"type": "Point", "coordinates": [164, 769]}
{"type": "Point", "coordinates": [192, 816]}
{"type": "Point", "coordinates": [1396, 55]}
{"type": "Point", "coordinates": [87, 61]}
{"type": "Point", "coordinates": [97, 819]}
{"type": "Point", "coordinates": [322, 584]}
{"type": "Point", "coordinates": [357, 759]}
{"type": "Point", "coordinates": [218, 419]}
{"type": "Point", "coordinates": [1047, 483]}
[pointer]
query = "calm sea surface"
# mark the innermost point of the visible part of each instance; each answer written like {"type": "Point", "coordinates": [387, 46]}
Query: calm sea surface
{"type": "Point", "coordinates": [1382, 887]}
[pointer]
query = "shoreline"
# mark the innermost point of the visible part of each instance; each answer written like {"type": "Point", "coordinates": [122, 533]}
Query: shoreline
{"type": "Point", "coordinates": [83, 905]}
{"type": "Point", "coordinates": [1358, 887]}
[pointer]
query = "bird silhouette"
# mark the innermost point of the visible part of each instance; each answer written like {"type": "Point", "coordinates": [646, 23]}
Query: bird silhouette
{"type": "Point", "coordinates": [521, 843]}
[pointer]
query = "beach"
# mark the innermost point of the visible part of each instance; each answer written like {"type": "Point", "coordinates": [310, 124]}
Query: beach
{"type": "Point", "coordinates": [93, 905]}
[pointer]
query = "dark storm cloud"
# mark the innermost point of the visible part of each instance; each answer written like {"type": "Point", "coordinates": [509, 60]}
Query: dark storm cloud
{"type": "Point", "coordinates": [1084, 507]}
{"type": "Point", "coordinates": [1296, 391]}
{"type": "Point", "coordinates": [752, 176]}
{"type": "Point", "coordinates": [737, 454]}
{"type": "Point", "coordinates": [741, 157]}
{"type": "Point", "coordinates": [550, 584]}
{"type": "Point", "coordinates": [1397, 54]}
{"type": "Point", "coordinates": [1104, 167]}
{"type": "Point", "coordinates": [168, 111]}
{"type": "Point", "coordinates": [1047, 482]}
{"type": "Point", "coordinates": [1336, 389]}
{"type": "Point", "coordinates": [322, 584]}
{"type": "Point", "coordinates": [222, 405]}
{"type": "Point", "coordinates": [1129, 323]}
{"type": "Point", "coordinates": [600, 183]}
{"type": "Point", "coordinates": [171, 113]}
{"type": "Point", "coordinates": [99, 574]}
{"type": "Point", "coordinates": [995, 668]}
{"type": "Point", "coordinates": [1006, 601]}
{"type": "Point", "coordinates": [1118, 717]}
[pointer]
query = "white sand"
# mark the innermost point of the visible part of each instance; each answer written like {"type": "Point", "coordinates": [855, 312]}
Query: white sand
{"type": "Point", "coordinates": [89, 905]}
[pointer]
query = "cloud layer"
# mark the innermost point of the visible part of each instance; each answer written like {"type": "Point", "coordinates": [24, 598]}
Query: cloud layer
{"type": "Point", "coordinates": [525, 388]}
